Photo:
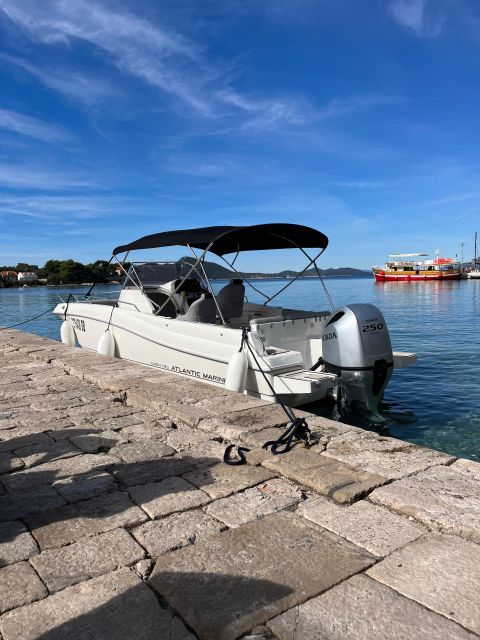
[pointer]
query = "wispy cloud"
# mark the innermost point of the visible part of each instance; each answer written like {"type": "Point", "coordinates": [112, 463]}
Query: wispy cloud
{"type": "Point", "coordinates": [468, 213]}
{"type": "Point", "coordinates": [15, 176]}
{"type": "Point", "coordinates": [266, 114]}
{"type": "Point", "coordinates": [67, 208]}
{"type": "Point", "coordinates": [161, 58]}
{"type": "Point", "coordinates": [78, 86]}
{"type": "Point", "coordinates": [423, 17]}
{"type": "Point", "coordinates": [32, 127]}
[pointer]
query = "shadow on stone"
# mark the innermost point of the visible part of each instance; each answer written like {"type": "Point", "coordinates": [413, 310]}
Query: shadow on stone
{"type": "Point", "coordinates": [61, 504]}
{"type": "Point", "coordinates": [136, 613]}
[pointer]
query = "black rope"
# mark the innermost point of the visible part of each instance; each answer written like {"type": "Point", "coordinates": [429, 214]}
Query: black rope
{"type": "Point", "coordinates": [298, 429]}
{"type": "Point", "coordinates": [241, 459]}
{"type": "Point", "coordinates": [12, 326]}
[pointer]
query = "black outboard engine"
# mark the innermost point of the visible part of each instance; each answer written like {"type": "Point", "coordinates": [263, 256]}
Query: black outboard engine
{"type": "Point", "coordinates": [356, 347]}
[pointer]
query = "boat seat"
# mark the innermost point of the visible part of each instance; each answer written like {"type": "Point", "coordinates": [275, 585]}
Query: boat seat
{"type": "Point", "coordinates": [158, 298]}
{"type": "Point", "coordinates": [202, 310]}
{"type": "Point", "coordinates": [230, 299]}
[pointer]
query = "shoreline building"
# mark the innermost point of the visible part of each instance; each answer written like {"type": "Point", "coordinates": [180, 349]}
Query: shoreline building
{"type": "Point", "coordinates": [27, 277]}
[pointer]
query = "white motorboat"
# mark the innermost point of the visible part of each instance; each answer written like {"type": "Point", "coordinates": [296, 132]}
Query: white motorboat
{"type": "Point", "coordinates": [169, 317]}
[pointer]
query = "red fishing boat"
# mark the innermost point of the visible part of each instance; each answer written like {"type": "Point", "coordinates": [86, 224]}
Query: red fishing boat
{"type": "Point", "coordinates": [405, 267]}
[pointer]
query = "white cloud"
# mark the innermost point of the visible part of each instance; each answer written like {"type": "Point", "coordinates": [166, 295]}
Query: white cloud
{"type": "Point", "coordinates": [66, 208]}
{"type": "Point", "coordinates": [161, 58]}
{"type": "Point", "coordinates": [37, 177]}
{"type": "Point", "coordinates": [32, 127]}
{"type": "Point", "coordinates": [75, 85]}
{"type": "Point", "coordinates": [420, 16]}
{"type": "Point", "coordinates": [158, 56]}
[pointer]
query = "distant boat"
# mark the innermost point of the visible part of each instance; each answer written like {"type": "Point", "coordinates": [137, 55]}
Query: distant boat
{"type": "Point", "coordinates": [475, 272]}
{"type": "Point", "coordinates": [406, 267]}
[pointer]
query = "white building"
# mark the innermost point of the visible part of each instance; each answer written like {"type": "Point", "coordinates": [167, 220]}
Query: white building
{"type": "Point", "coordinates": [27, 277]}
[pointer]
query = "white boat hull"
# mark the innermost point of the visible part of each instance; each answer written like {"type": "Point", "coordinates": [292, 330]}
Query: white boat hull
{"type": "Point", "coordinates": [194, 350]}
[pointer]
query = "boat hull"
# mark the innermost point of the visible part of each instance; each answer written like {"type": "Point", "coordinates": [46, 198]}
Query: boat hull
{"type": "Point", "coordinates": [382, 275]}
{"type": "Point", "coordinates": [168, 345]}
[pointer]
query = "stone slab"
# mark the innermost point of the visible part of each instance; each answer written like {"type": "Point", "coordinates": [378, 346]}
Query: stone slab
{"type": "Point", "coordinates": [151, 471]}
{"type": "Point", "coordinates": [16, 543]}
{"type": "Point", "coordinates": [183, 437]}
{"type": "Point", "coordinates": [362, 609]}
{"type": "Point", "coordinates": [59, 471]}
{"type": "Point", "coordinates": [248, 575]}
{"type": "Point", "coordinates": [369, 526]}
{"type": "Point", "coordinates": [326, 476]}
{"type": "Point", "coordinates": [19, 585]}
{"type": "Point", "coordinates": [159, 499]}
{"type": "Point", "coordinates": [206, 453]}
{"type": "Point", "coordinates": [41, 452]}
{"type": "Point", "coordinates": [141, 451]}
{"type": "Point", "coordinates": [228, 404]}
{"type": "Point", "coordinates": [99, 442]}
{"type": "Point", "coordinates": [240, 423]}
{"type": "Point", "coordinates": [439, 497]}
{"type": "Point", "coordinates": [388, 457]}
{"type": "Point", "coordinates": [85, 486]}
{"type": "Point", "coordinates": [59, 527]}
{"type": "Point", "coordinates": [144, 431]}
{"type": "Point", "coordinates": [56, 404]}
{"type": "Point", "coordinates": [256, 502]}
{"type": "Point", "coordinates": [110, 607]}
{"type": "Point", "coordinates": [55, 427]}
{"type": "Point", "coordinates": [118, 421]}
{"type": "Point", "coordinates": [18, 505]}
{"type": "Point", "coordinates": [9, 462]}
{"type": "Point", "coordinates": [221, 480]}
{"type": "Point", "coordinates": [15, 439]}
{"type": "Point", "coordinates": [440, 572]}
{"type": "Point", "coordinates": [90, 557]}
{"type": "Point", "coordinates": [175, 531]}
{"type": "Point", "coordinates": [468, 468]}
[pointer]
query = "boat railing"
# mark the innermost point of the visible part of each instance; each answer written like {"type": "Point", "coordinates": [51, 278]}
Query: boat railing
{"type": "Point", "coordinates": [92, 299]}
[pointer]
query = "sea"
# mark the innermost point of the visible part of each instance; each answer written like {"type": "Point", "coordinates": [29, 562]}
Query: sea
{"type": "Point", "coordinates": [435, 403]}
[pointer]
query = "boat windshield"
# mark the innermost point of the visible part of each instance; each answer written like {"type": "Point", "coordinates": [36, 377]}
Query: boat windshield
{"type": "Point", "coordinates": [150, 274]}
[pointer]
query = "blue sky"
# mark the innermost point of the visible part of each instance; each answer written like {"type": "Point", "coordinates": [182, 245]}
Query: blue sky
{"type": "Point", "coordinates": [120, 119]}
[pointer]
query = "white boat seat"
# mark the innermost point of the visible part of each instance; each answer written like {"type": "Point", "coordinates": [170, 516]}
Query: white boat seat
{"type": "Point", "coordinates": [230, 299]}
{"type": "Point", "coordinates": [202, 310]}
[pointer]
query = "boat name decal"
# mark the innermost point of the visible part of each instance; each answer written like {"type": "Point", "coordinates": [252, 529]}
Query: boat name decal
{"type": "Point", "coordinates": [193, 373]}
{"type": "Point", "coordinates": [329, 336]}
{"type": "Point", "coordinates": [78, 324]}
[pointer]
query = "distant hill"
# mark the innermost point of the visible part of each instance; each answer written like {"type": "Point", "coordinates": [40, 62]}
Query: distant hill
{"type": "Point", "coordinates": [219, 272]}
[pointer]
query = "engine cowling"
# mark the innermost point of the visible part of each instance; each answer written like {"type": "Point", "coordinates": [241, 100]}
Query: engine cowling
{"type": "Point", "coordinates": [356, 346]}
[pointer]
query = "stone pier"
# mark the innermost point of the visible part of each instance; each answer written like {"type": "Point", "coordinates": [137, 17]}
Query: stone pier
{"type": "Point", "coordinates": [118, 518]}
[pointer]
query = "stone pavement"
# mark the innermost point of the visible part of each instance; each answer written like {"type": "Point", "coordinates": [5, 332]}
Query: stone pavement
{"type": "Point", "coordinates": [118, 518]}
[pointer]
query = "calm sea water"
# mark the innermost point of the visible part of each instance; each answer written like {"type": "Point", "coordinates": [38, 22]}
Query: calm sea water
{"type": "Point", "coordinates": [435, 403]}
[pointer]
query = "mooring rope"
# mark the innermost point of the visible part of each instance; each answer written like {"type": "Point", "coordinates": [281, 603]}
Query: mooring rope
{"type": "Point", "coordinates": [298, 429]}
{"type": "Point", "coordinates": [12, 326]}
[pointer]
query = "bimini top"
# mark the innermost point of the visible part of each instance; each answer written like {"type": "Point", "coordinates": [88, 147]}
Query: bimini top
{"type": "Point", "coordinates": [224, 240]}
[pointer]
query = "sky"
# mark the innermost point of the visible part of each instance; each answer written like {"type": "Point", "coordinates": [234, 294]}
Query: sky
{"type": "Point", "coordinates": [120, 119]}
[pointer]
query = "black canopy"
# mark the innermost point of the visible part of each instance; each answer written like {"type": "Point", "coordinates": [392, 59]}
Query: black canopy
{"type": "Point", "coordinates": [232, 239]}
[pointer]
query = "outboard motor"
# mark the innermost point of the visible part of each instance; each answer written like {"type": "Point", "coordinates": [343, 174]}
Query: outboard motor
{"type": "Point", "coordinates": [356, 347]}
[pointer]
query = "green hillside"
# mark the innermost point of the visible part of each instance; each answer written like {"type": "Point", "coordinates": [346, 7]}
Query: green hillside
{"type": "Point", "coordinates": [217, 271]}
